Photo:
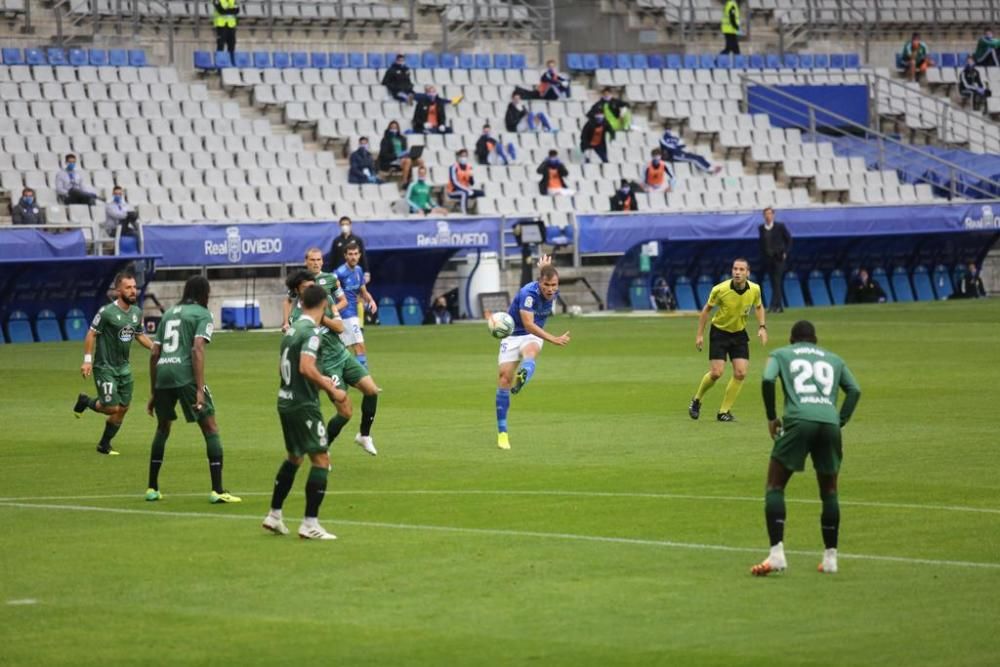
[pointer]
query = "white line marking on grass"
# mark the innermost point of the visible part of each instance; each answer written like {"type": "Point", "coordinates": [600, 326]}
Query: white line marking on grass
{"type": "Point", "coordinates": [581, 494]}
{"type": "Point", "coordinates": [22, 603]}
{"type": "Point", "coordinates": [502, 532]}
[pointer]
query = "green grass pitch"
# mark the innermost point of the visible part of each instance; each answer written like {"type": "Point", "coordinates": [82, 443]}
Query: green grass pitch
{"type": "Point", "coordinates": [615, 531]}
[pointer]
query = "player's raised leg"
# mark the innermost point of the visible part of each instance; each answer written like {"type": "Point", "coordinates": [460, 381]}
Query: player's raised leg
{"type": "Point", "coordinates": [774, 515]}
{"type": "Point", "coordinates": [369, 406]}
{"type": "Point", "coordinates": [527, 370]}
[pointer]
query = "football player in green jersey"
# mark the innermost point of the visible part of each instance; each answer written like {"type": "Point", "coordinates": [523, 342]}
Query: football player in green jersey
{"type": "Point", "coordinates": [301, 419]}
{"type": "Point", "coordinates": [328, 281]}
{"type": "Point", "coordinates": [177, 374]}
{"type": "Point", "coordinates": [112, 330]}
{"type": "Point", "coordinates": [810, 427]}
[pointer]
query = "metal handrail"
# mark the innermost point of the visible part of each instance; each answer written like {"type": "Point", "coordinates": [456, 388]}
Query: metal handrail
{"type": "Point", "coordinates": [540, 21]}
{"type": "Point", "coordinates": [952, 169]}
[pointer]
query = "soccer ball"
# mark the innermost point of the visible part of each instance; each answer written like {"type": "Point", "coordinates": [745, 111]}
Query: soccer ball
{"type": "Point", "coordinates": [501, 325]}
{"type": "Point", "coordinates": [575, 311]}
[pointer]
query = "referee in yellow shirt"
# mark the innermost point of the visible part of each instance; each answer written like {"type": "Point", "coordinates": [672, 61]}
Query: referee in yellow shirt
{"type": "Point", "coordinates": [728, 336]}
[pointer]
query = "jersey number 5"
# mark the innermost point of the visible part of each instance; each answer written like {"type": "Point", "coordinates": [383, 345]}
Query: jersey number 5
{"type": "Point", "coordinates": [171, 336]}
{"type": "Point", "coordinates": [809, 374]}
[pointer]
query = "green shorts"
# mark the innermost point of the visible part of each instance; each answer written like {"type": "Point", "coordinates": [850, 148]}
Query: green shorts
{"type": "Point", "coordinates": [113, 387]}
{"type": "Point", "coordinates": [346, 373]}
{"type": "Point", "coordinates": [807, 438]}
{"type": "Point", "coordinates": [166, 399]}
{"type": "Point", "coordinates": [304, 431]}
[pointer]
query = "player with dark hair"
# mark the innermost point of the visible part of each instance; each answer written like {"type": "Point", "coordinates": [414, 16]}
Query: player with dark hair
{"type": "Point", "coordinates": [177, 374]}
{"type": "Point", "coordinates": [530, 308]}
{"type": "Point", "coordinates": [352, 279]}
{"type": "Point", "coordinates": [728, 336]}
{"type": "Point", "coordinates": [811, 425]}
{"type": "Point", "coordinates": [112, 329]}
{"type": "Point", "coordinates": [300, 415]}
{"type": "Point", "coordinates": [328, 281]}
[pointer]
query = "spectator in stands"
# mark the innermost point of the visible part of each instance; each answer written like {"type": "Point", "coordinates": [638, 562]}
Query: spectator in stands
{"type": "Point", "coordinates": [674, 150]}
{"type": "Point", "coordinates": [362, 170]}
{"type": "Point", "coordinates": [519, 118]}
{"type": "Point", "coordinates": [553, 173]}
{"type": "Point", "coordinates": [440, 312]}
{"type": "Point", "coordinates": [71, 187]}
{"type": "Point", "coordinates": [663, 296]}
{"type": "Point", "coordinates": [624, 197]}
{"type": "Point", "coordinates": [397, 80]}
{"type": "Point", "coordinates": [594, 137]}
{"type": "Point", "coordinates": [970, 84]}
{"type": "Point", "coordinates": [915, 58]}
{"type": "Point", "coordinates": [865, 289]}
{"type": "Point", "coordinates": [657, 177]}
{"type": "Point", "coordinates": [394, 153]}
{"type": "Point", "coordinates": [987, 51]}
{"type": "Point", "coordinates": [419, 198]}
{"type": "Point", "coordinates": [339, 247]}
{"type": "Point", "coordinates": [971, 286]}
{"type": "Point", "coordinates": [775, 244]}
{"type": "Point", "coordinates": [461, 182]}
{"type": "Point", "coordinates": [26, 211]}
{"type": "Point", "coordinates": [615, 111]}
{"type": "Point", "coordinates": [225, 25]}
{"type": "Point", "coordinates": [428, 115]}
{"type": "Point", "coordinates": [731, 30]}
{"type": "Point", "coordinates": [553, 85]}
{"type": "Point", "coordinates": [118, 213]}
{"type": "Point", "coordinates": [490, 150]}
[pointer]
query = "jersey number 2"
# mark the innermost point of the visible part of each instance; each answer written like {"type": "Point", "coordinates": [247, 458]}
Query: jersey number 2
{"type": "Point", "coordinates": [809, 374]}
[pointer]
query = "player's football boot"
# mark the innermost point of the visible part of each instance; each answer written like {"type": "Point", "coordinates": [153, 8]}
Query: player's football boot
{"type": "Point", "coordinates": [773, 564]}
{"type": "Point", "coordinates": [315, 532]}
{"type": "Point", "coordinates": [107, 451]}
{"type": "Point", "coordinates": [725, 417]}
{"type": "Point", "coordinates": [274, 524]}
{"type": "Point", "coordinates": [520, 379]}
{"type": "Point", "coordinates": [366, 443]}
{"type": "Point", "coordinates": [829, 564]}
{"type": "Point", "coordinates": [503, 440]}
{"type": "Point", "coordinates": [694, 410]}
{"type": "Point", "coordinates": [81, 405]}
{"type": "Point", "coordinates": [224, 497]}
{"type": "Point", "coordinates": [153, 495]}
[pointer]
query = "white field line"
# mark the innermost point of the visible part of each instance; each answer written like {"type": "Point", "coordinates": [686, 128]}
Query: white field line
{"type": "Point", "coordinates": [496, 532]}
{"type": "Point", "coordinates": [554, 493]}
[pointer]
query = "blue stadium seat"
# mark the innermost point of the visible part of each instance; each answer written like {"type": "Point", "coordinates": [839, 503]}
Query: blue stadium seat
{"type": "Point", "coordinates": [656, 61]}
{"type": "Point", "coordinates": [137, 58]}
{"type": "Point", "coordinates": [34, 57]}
{"type": "Point", "coordinates": [838, 287]}
{"type": "Point", "coordinates": [75, 325]}
{"type": "Point", "coordinates": [607, 60]}
{"type": "Point", "coordinates": [852, 61]}
{"type": "Point", "coordinates": [922, 288]}
{"type": "Point", "coordinates": [792, 287]}
{"type": "Point", "coordinates": [466, 61]}
{"type": "Point", "coordinates": [942, 282]}
{"type": "Point", "coordinates": [501, 61]}
{"type": "Point", "coordinates": [203, 60]}
{"type": "Point", "coordinates": [703, 288]}
{"type": "Point", "coordinates": [56, 56]}
{"type": "Point", "coordinates": [128, 245]}
{"type": "Point", "coordinates": [724, 61]}
{"type": "Point", "coordinates": [707, 61]}
{"type": "Point", "coordinates": [376, 61]}
{"type": "Point", "coordinates": [19, 328]}
{"type": "Point", "coordinates": [947, 60]}
{"type": "Point", "coordinates": [817, 289]}
{"type": "Point", "coordinates": [449, 61]}
{"type": "Point", "coordinates": [281, 60]}
{"type": "Point", "coordinates": [482, 61]}
{"type": "Point", "coordinates": [355, 60]}
{"type": "Point", "coordinates": [518, 61]}
{"type": "Point", "coordinates": [640, 297]}
{"type": "Point", "coordinates": [412, 60]}
{"type": "Point", "coordinates": [837, 61]}
{"type": "Point", "coordinates": [338, 60]}
{"type": "Point", "coordinates": [772, 61]}
{"type": "Point", "coordinates": [740, 61]}
{"type": "Point", "coordinates": [12, 56]}
{"type": "Point", "coordinates": [77, 57]}
{"type": "Point", "coordinates": [319, 60]}
{"type": "Point", "coordinates": [242, 59]}
{"type": "Point", "coordinates": [118, 58]}
{"type": "Point", "coordinates": [691, 61]}
{"type": "Point", "coordinates": [960, 58]}
{"type": "Point", "coordinates": [805, 61]}
{"type": "Point", "coordinates": [640, 61]}
{"type": "Point", "coordinates": [413, 314]}
{"type": "Point", "coordinates": [47, 327]}
{"type": "Point", "coordinates": [821, 61]}
{"type": "Point", "coordinates": [559, 236]}
{"type": "Point", "coordinates": [98, 57]}
{"type": "Point", "coordinates": [262, 60]}
{"type": "Point", "coordinates": [223, 60]}
{"type": "Point", "coordinates": [574, 62]}
{"type": "Point", "coordinates": [430, 60]}
{"type": "Point", "coordinates": [674, 61]}
{"type": "Point", "coordinates": [756, 61]}
{"type": "Point", "coordinates": [590, 62]}
{"type": "Point", "coordinates": [623, 61]}
{"type": "Point", "coordinates": [300, 59]}
{"type": "Point", "coordinates": [791, 61]}
{"type": "Point", "coordinates": [684, 293]}
{"type": "Point", "coordinates": [878, 275]}
{"type": "Point", "coordinates": [901, 285]}
{"type": "Point", "coordinates": [388, 316]}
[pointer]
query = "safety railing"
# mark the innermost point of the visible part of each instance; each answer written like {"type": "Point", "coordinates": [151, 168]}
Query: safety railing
{"type": "Point", "coordinates": [468, 23]}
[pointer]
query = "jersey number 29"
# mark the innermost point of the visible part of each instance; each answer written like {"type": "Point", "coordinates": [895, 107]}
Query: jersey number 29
{"type": "Point", "coordinates": [809, 374]}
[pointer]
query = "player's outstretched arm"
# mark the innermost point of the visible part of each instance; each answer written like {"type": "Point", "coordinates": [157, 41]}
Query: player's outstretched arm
{"type": "Point", "coordinates": [528, 320]}
{"type": "Point", "coordinates": [145, 341]}
{"type": "Point", "coordinates": [544, 260]}
{"type": "Point", "coordinates": [334, 324]}
{"type": "Point", "coordinates": [88, 353]}
{"type": "Point", "coordinates": [761, 324]}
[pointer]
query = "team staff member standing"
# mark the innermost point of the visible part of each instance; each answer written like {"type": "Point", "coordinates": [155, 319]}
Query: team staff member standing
{"type": "Point", "coordinates": [338, 249]}
{"type": "Point", "coordinates": [731, 26]}
{"type": "Point", "coordinates": [225, 25]}
{"type": "Point", "coordinates": [810, 377]}
{"type": "Point", "coordinates": [728, 336]}
{"type": "Point", "coordinates": [775, 244]}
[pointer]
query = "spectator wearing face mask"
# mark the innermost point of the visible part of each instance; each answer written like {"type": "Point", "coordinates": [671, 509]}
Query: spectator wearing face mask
{"type": "Point", "coordinates": [429, 113]}
{"type": "Point", "coordinates": [970, 84]}
{"type": "Point", "coordinates": [490, 150]}
{"type": "Point", "coordinates": [398, 81]}
{"type": "Point", "coordinates": [440, 312]}
{"type": "Point", "coordinates": [419, 198]}
{"type": "Point", "coordinates": [624, 197]}
{"type": "Point", "coordinates": [362, 170]}
{"type": "Point", "coordinates": [674, 150]}
{"type": "Point", "coordinates": [26, 211]}
{"type": "Point", "coordinates": [987, 51]}
{"type": "Point", "coordinates": [519, 118]}
{"type": "Point", "coordinates": [915, 58]}
{"type": "Point", "coordinates": [394, 153]}
{"type": "Point", "coordinates": [553, 173]}
{"type": "Point", "coordinates": [461, 182]}
{"type": "Point", "coordinates": [594, 137]}
{"type": "Point", "coordinates": [339, 246]}
{"type": "Point", "coordinates": [657, 177]}
{"type": "Point", "coordinates": [71, 186]}
{"type": "Point", "coordinates": [118, 213]}
{"type": "Point", "coordinates": [615, 111]}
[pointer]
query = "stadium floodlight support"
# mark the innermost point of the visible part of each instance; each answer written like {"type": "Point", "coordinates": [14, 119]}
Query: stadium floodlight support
{"type": "Point", "coordinates": [27, 28]}
{"type": "Point", "coordinates": [947, 170]}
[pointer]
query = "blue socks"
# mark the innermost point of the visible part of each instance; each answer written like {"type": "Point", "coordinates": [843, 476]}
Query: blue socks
{"type": "Point", "coordinates": [529, 366]}
{"type": "Point", "coordinates": [363, 360]}
{"type": "Point", "coordinates": [503, 404]}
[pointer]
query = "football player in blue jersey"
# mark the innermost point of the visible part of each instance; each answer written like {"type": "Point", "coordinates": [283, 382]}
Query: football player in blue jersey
{"type": "Point", "coordinates": [352, 280]}
{"type": "Point", "coordinates": [532, 306]}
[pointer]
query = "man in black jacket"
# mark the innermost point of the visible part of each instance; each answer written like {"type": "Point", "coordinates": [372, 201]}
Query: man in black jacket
{"type": "Point", "coordinates": [970, 84]}
{"type": "Point", "coordinates": [615, 111]}
{"type": "Point", "coordinates": [624, 198]}
{"type": "Point", "coordinates": [553, 173]}
{"type": "Point", "coordinates": [865, 289]}
{"type": "Point", "coordinates": [775, 244]}
{"type": "Point", "coordinates": [341, 242]}
{"type": "Point", "coordinates": [594, 137]}
{"type": "Point", "coordinates": [397, 80]}
{"type": "Point", "coordinates": [971, 286]}
{"type": "Point", "coordinates": [519, 118]}
{"type": "Point", "coordinates": [429, 115]}
{"type": "Point", "coordinates": [27, 211]}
